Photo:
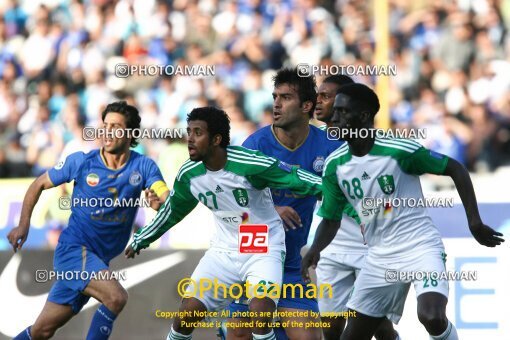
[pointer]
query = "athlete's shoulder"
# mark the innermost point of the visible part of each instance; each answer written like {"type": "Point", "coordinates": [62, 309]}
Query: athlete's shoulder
{"type": "Point", "coordinates": [244, 161]}
{"type": "Point", "coordinates": [80, 157]}
{"type": "Point", "coordinates": [190, 169]}
{"type": "Point", "coordinates": [338, 157]}
{"type": "Point", "coordinates": [261, 136]}
{"type": "Point", "coordinates": [241, 152]}
{"type": "Point", "coordinates": [319, 134]}
{"type": "Point", "coordinates": [395, 147]}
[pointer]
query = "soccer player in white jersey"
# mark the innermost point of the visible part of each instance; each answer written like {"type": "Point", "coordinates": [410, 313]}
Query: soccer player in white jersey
{"type": "Point", "coordinates": [400, 239]}
{"type": "Point", "coordinates": [233, 182]}
{"type": "Point", "coordinates": [341, 261]}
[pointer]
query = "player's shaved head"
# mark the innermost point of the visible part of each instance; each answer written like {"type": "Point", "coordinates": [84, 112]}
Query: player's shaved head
{"type": "Point", "coordinates": [217, 121]}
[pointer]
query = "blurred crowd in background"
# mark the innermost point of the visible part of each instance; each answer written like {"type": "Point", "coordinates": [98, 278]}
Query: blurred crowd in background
{"type": "Point", "coordinates": [58, 57]}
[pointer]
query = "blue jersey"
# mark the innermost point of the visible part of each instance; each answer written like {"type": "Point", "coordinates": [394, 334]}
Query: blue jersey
{"type": "Point", "coordinates": [103, 228]}
{"type": "Point", "coordinates": [310, 156]}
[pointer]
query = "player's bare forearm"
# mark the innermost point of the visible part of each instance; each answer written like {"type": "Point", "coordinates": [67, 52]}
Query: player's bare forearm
{"type": "Point", "coordinates": [32, 197]}
{"type": "Point", "coordinates": [462, 180]}
{"type": "Point", "coordinates": [326, 232]}
{"type": "Point", "coordinates": [484, 234]}
{"type": "Point", "coordinates": [324, 235]}
{"type": "Point", "coordinates": [18, 235]}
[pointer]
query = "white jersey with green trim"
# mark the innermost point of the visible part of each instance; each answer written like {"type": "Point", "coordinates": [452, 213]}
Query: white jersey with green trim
{"type": "Point", "coordinates": [237, 194]}
{"type": "Point", "coordinates": [348, 239]}
{"type": "Point", "coordinates": [391, 169]}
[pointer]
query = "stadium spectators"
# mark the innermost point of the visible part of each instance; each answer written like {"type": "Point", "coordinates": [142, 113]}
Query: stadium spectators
{"type": "Point", "coordinates": [57, 60]}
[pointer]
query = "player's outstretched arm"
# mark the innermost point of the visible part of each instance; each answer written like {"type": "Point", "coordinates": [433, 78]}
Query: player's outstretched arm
{"type": "Point", "coordinates": [154, 200]}
{"type": "Point", "coordinates": [177, 205]}
{"type": "Point", "coordinates": [18, 235]}
{"type": "Point", "coordinates": [283, 176]}
{"type": "Point", "coordinates": [484, 234]}
{"type": "Point", "coordinates": [326, 232]}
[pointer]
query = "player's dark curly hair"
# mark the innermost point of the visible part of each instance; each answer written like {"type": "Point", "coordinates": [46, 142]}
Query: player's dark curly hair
{"type": "Point", "coordinates": [339, 79]}
{"type": "Point", "coordinates": [217, 121]}
{"type": "Point", "coordinates": [305, 86]}
{"type": "Point", "coordinates": [364, 97]}
{"type": "Point", "coordinates": [129, 111]}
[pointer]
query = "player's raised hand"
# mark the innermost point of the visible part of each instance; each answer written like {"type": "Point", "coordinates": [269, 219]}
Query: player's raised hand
{"type": "Point", "coordinates": [153, 199]}
{"type": "Point", "coordinates": [130, 252]}
{"type": "Point", "coordinates": [485, 235]}
{"type": "Point", "coordinates": [289, 216]}
{"type": "Point", "coordinates": [309, 260]}
{"type": "Point", "coordinates": [17, 237]}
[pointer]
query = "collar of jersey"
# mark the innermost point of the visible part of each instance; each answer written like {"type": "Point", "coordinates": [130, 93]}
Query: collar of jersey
{"type": "Point", "coordinates": [283, 145]}
{"type": "Point", "coordinates": [104, 160]}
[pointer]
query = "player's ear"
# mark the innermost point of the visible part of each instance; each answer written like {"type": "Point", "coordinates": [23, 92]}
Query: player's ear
{"type": "Point", "coordinates": [217, 140]}
{"type": "Point", "coordinates": [365, 116]}
{"type": "Point", "coordinates": [307, 106]}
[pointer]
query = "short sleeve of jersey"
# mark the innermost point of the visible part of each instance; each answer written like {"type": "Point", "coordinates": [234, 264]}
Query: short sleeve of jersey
{"type": "Point", "coordinates": [334, 200]}
{"type": "Point", "coordinates": [66, 170]}
{"type": "Point", "coordinates": [424, 161]}
{"type": "Point", "coordinates": [152, 174]}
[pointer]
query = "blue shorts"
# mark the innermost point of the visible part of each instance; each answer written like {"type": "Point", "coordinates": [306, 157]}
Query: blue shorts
{"type": "Point", "coordinates": [296, 302]}
{"type": "Point", "coordinates": [73, 258]}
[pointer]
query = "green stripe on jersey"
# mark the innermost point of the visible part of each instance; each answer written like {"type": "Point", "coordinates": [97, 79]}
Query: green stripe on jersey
{"type": "Point", "coordinates": [338, 157]}
{"type": "Point", "coordinates": [191, 170]}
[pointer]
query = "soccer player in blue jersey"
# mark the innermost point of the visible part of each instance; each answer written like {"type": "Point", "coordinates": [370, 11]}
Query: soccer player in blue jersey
{"type": "Point", "coordinates": [293, 140]}
{"type": "Point", "coordinates": [95, 235]}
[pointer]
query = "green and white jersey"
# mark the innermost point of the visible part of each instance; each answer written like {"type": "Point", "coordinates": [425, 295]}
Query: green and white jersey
{"type": "Point", "coordinates": [390, 169]}
{"type": "Point", "coordinates": [237, 194]}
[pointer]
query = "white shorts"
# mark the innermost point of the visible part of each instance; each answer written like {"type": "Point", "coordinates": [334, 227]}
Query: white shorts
{"type": "Point", "coordinates": [228, 268]}
{"type": "Point", "coordinates": [339, 271]}
{"type": "Point", "coordinates": [378, 291]}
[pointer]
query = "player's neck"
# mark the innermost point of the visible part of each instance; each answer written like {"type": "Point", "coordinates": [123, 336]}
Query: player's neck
{"type": "Point", "coordinates": [217, 160]}
{"type": "Point", "coordinates": [361, 146]}
{"type": "Point", "coordinates": [115, 161]}
{"type": "Point", "coordinates": [293, 136]}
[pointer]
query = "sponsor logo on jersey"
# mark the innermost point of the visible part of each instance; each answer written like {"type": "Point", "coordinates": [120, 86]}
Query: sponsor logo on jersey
{"type": "Point", "coordinates": [218, 190]}
{"type": "Point", "coordinates": [92, 179]}
{"type": "Point", "coordinates": [318, 164]}
{"type": "Point", "coordinates": [135, 178]}
{"type": "Point", "coordinates": [387, 184]}
{"type": "Point", "coordinates": [365, 176]}
{"type": "Point", "coordinates": [241, 196]}
{"type": "Point", "coordinates": [253, 238]}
